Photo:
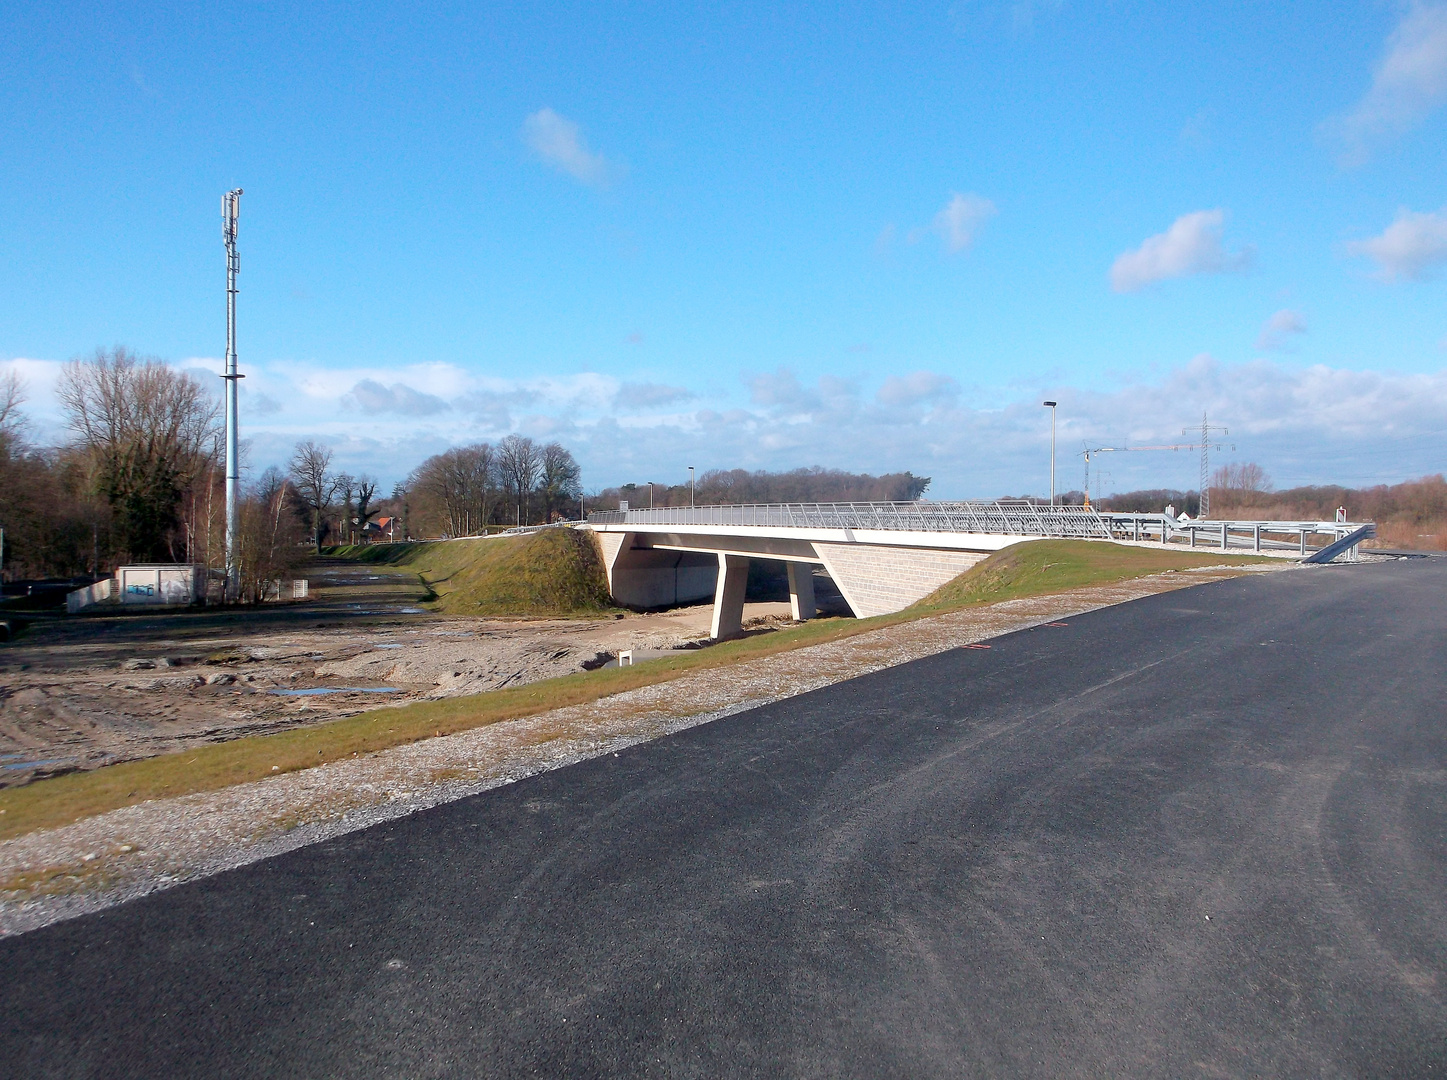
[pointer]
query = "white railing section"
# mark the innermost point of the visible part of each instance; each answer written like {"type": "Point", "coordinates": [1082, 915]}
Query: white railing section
{"type": "Point", "coordinates": [1000, 518]}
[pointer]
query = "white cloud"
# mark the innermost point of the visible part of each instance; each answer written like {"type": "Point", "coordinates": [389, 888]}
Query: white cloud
{"type": "Point", "coordinates": [884, 242]}
{"type": "Point", "coordinates": [961, 219]}
{"type": "Point", "coordinates": [259, 405]}
{"type": "Point", "coordinates": [915, 388]}
{"type": "Point", "coordinates": [559, 142]}
{"type": "Point", "coordinates": [781, 390]}
{"type": "Point", "coordinates": [372, 397]}
{"type": "Point", "coordinates": [1409, 247]}
{"type": "Point", "coordinates": [1409, 83]}
{"type": "Point", "coordinates": [637, 396]}
{"type": "Point", "coordinates": [1192, 245]}
{"type": "Point", "coordinates": [1280, 328]}
{"type": "Point", "coordinates": [1303, 425]}
{"type": "Point", "coordinates": [1197, 132]}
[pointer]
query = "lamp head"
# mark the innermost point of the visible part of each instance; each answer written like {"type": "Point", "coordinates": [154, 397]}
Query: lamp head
{"type": "Point", "coordinates": [1048, 404]}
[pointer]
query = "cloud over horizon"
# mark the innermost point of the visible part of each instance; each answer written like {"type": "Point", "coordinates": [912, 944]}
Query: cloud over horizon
{"type": "Point", "coordinates": [1313, 424]}
{"type": "Point", "coordinates": [1192, 245]}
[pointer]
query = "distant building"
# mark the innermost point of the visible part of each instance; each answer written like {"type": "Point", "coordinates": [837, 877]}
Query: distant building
{"type": "Point", "coordinates": [384, 528]}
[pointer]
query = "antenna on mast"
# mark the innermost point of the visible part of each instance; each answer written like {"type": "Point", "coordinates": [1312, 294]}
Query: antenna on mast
{"type": "Point", "coordinates": [230, 219]}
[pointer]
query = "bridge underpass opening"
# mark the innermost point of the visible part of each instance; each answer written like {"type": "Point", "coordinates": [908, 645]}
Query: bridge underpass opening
{"type": "Point", "coordinates": [650, 569]}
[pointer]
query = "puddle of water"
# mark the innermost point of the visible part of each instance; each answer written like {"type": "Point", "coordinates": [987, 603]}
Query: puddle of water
{"type": "Point", "coordinates": [388, 645]}
{"type": "Point", "coordinates": [411, 611]}
{"type": "Point", "coordinates": [316, 691]}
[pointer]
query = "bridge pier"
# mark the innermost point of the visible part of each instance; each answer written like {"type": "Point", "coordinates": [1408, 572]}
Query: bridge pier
{"type": "Point", "coordinates": [801, 591]}
{"type": "Point", "coordinates": [728, 597]}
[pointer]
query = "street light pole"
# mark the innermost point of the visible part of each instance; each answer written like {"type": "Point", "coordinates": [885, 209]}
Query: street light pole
{"type": "Point", "coordinates": [1051, 406]}
{"type": "Point", "coordinates": [650, 494]}
{"type": "Point", "coordinates": [690, 487]}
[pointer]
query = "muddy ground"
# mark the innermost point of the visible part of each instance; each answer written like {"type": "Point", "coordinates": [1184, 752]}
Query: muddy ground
{"type": "Point", "coordinates": [85, 691]}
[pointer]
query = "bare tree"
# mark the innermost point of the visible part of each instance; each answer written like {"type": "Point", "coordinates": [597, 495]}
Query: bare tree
{"type": "Point", "coordinates": [366, 492]}
{"type": "Point", "coordinates": [402, 496]}
{"type": "Point", "coordinates": [12, 396]}
{"type": "Point", "coordinates": [1239, 484]}
{"type": "Point", "coordinates": [347, 489]}
{"type": "Point", "coordinates": [519, 460]}
{"type": "Point", "coordinates": [315, 484]}
{"type": "Point", "coordinates": [145, 432]}
{"type": "Point", "coordinates": [457, 486]}
{"type": "Point", "coordinates": [269, 536]}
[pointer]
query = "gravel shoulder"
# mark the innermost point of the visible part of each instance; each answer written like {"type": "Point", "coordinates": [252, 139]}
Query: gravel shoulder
{"type": "Point", "coordinates": [60, 873]}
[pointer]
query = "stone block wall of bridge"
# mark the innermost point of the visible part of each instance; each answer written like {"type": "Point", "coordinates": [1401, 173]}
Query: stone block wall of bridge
{"type": "Point", "coordinates": [880, 580]}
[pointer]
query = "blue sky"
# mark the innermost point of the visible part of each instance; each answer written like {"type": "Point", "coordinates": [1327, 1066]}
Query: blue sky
{"type": "Point", "coordinates": [728, 236]}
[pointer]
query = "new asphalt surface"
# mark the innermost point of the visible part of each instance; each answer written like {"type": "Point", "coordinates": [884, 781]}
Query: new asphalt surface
{"type": "Point", "coordinates": [1203, 833]}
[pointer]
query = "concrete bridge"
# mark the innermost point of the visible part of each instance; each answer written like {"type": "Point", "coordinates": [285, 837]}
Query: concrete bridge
{"type": "Point", "coordinates": [883, 557]}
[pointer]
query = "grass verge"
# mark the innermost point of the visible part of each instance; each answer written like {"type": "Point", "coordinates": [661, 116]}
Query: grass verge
{"type": "Point", "coordinates": [554, 573]}
{"type": "Point", "coordinates": [1030, 569]}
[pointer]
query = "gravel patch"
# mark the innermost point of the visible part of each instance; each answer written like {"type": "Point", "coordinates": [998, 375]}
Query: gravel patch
{"type": "Point", "coordinates": [60, 873]}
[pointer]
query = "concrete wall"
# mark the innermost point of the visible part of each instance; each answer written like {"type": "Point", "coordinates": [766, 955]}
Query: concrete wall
{"type": "Point", "coordinates": [879, 580]}
{"type": "Point", "coordinates": [650, 578]}
{"type": "Point", "coordinates": [169, 583]}
{"type": "Point", "coordinates": [80, 599]}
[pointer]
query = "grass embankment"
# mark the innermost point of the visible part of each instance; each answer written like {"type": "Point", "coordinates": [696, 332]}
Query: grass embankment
{"type": "Point", "coordinates": [553, 573]}
{"type": "Point", "coordinates": [1030, 569]}
{"type": "Point", "coordinates": [1051, 566]}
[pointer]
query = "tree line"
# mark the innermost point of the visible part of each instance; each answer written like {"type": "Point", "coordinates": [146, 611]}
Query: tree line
{"type": "Point", "coordinates": [1412, 514]}
{"type": "Point", "coordinates": [468, 489]}
{"type": "Point", "coordinates": [722, 487]}
{"type": "Point", "coordinates": [141, 479]}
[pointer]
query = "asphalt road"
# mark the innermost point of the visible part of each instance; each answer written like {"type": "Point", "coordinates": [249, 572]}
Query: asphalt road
{"type": "Point", "coordinates": [1203, 833]}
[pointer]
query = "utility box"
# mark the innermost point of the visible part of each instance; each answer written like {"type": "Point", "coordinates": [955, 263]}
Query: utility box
{"type": "Point", "coordinates": [161, 583]}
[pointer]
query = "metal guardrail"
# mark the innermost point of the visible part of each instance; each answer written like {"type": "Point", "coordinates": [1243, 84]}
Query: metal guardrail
{"type": "Point", "coordinates": [1255, 535]}
{"type": "Point", "coordinates": [1000, 518]}
{"type": "Point", "coordinates": [1343, 543]}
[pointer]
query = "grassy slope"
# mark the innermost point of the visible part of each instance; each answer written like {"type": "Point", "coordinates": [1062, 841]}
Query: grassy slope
{"type": "Point", "coordinates": [1032, 569]}
{"type": "Point", "coordinates": [556, 572]}
{"type": "Point", "coordinates": [1049, 566]}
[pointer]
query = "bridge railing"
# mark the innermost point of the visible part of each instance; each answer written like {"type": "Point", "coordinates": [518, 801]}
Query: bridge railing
{"type": "Point", "coordinates": [1007, 518]}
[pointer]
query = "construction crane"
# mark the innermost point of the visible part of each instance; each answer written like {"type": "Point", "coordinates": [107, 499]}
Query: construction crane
{"type": "Point", "coordinates": [1123, 449]}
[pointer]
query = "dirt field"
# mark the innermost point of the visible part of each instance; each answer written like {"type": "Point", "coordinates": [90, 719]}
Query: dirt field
{"type": "Point", "coordinates": [82, 692]}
